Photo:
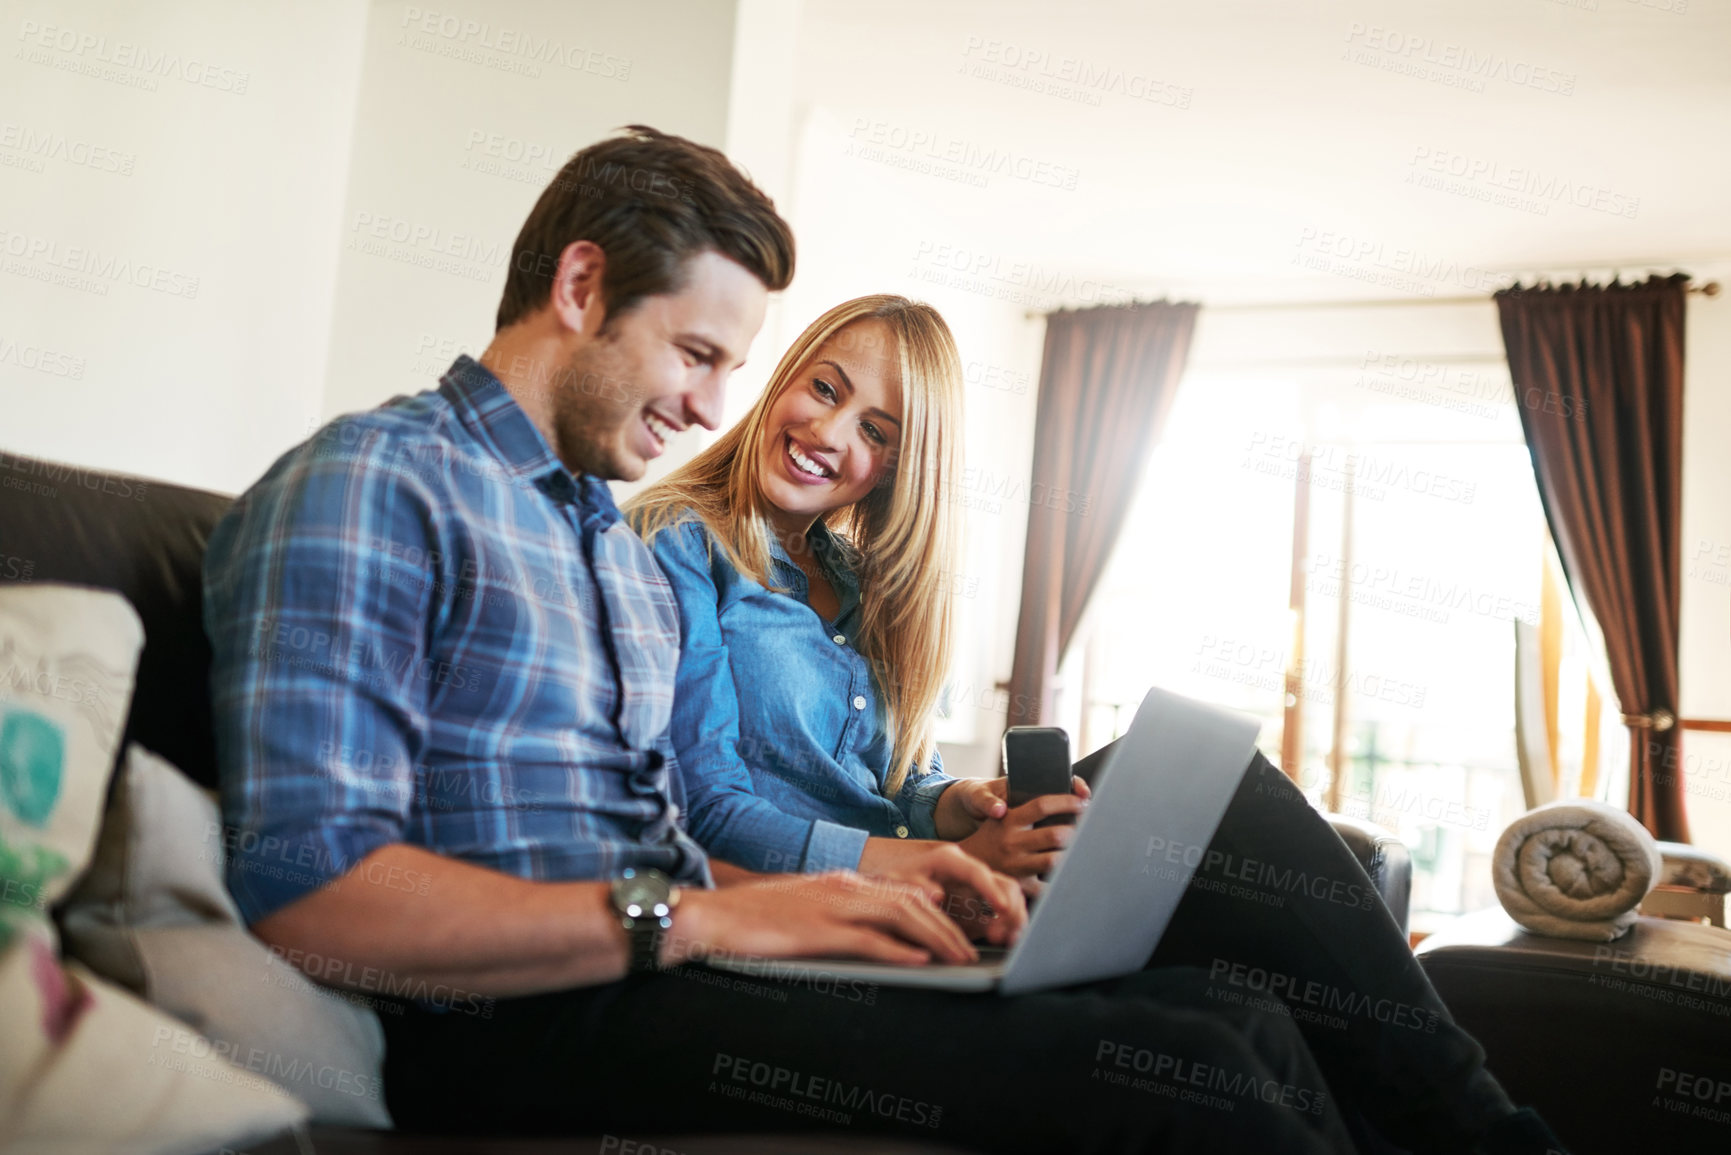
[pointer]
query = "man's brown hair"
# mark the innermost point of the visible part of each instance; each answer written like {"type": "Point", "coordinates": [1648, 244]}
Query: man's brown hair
{"type": "Point", "coordinates": [651, 201]}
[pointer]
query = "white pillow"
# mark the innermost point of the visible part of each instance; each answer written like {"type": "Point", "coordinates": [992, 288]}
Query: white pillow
{"type": "Point", "coordinates": [152, 914]}
{"type": "Point", "coordinates": [87, 1068]}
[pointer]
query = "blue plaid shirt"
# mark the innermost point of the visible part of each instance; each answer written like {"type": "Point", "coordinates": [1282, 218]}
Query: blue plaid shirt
{"type": "Point", "coordinates": [427, 630]}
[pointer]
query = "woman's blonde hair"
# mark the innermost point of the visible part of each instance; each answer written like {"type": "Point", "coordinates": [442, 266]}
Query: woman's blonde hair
{"type": "Point", "coordinates": [904, 535]}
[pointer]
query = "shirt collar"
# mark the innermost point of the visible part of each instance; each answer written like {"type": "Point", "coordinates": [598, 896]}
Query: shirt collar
{"type": "Point", "coordinates": [836, 556]}
{"type": "Point", "coordinates": [487, 409]}
{"type": "Point", "coordinates": [830, 551]}
{"type": "Point", "coordinates": [837, 559]}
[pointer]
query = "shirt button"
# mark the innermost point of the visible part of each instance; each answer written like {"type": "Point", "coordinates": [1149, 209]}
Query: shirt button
{"type": "Point", "coordinates": [859, 701]}
{"type": "Point", "coordinates": [901, 832]}
{"type": "Point", "coordinates": [840, 640]}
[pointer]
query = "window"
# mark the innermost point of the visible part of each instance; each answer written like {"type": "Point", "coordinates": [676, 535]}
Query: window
{"type": "Point", "coordinates": [1368, 621]}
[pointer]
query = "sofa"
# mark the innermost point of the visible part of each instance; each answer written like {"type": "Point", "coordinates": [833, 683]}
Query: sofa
{"type": "Point", "coordinates": [145, 539]}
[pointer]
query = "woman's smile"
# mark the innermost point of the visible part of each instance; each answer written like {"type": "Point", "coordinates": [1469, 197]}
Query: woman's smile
{"type": "Point", "coordinates": [805, 466]}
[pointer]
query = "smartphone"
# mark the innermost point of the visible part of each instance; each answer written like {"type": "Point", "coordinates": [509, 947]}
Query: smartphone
{"type": "Point", "coordinates": [1037, 761]}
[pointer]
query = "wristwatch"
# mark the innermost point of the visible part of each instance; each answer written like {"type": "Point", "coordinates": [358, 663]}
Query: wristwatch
{"type": "Point", "coordinates": [645, 900]}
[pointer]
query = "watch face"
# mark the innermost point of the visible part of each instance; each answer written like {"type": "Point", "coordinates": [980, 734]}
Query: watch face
{"type": "Point", "coordinates": [638, 893]}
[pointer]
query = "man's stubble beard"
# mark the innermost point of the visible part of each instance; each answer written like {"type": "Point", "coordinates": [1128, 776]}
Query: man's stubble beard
{"type": "Point", "coordinates": [591, 409]}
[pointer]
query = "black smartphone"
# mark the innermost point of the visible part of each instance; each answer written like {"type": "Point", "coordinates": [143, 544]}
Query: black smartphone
{"type": "Point", "coordinates": [1037, 761]}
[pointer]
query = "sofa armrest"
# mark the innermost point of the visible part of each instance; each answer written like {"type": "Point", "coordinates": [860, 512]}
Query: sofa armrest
{"type": "Point", "coordinates": [1384, 857]}
{"type": "Point", "coordinates": [1693, 868]}
{"type": "Point", "coordinates": [1692, 885]}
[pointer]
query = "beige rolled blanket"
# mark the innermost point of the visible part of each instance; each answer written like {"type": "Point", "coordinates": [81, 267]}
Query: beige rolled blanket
{"type": "Point", "coordinates": [1575, 869]}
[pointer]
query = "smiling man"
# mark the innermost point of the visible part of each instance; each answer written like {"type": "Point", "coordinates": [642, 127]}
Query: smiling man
{"type": "Point", "coordinates": [681, 307]}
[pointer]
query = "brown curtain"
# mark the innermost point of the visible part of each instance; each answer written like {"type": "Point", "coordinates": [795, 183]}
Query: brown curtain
{"type": "Point", "coordinates": [1106, 383]}
{"type": "Point", "coordinates": [1598, 377]}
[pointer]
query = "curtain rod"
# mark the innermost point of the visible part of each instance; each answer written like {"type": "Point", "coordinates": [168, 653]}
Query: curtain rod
{"type": "Point", "coordinates": [1707, 289]}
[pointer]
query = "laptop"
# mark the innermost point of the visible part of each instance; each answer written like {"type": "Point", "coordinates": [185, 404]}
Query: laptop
{"type": "Point", "coordinates": [1157, 801]}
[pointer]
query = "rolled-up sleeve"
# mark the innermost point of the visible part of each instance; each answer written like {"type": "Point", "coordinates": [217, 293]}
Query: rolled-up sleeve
{"type": "Point", "coordinates": [919, 796]}
{"type": "Point", "coordinates": [317, 623]}
{"type": "Point", "coordinates": [726, 814]}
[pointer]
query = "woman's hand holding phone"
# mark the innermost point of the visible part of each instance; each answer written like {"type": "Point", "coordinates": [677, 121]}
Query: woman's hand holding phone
{"type": "Point", "coordinates": [967, 802]}
{"type": "Point", "coordinates": [1015, 846]}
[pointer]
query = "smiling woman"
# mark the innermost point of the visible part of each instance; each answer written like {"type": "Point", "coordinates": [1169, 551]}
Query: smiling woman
{"type": "Point", "coordinates": [825, 502]}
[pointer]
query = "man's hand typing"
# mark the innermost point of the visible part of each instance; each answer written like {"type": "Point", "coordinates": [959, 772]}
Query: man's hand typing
{"type": "Point", "coordinates": [989, 905]}
{"type": "Point", "coordinates": [839, 914]}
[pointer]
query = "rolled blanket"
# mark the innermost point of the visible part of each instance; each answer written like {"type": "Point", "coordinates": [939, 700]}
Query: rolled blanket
{"type": "Point", "coordinates": [1575, 869]}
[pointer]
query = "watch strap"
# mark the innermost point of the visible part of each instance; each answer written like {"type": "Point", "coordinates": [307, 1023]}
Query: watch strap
{"type": "Point", "coordinates": [644, 935]}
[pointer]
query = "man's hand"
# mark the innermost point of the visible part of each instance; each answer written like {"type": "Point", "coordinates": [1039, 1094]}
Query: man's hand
{"type": "Point", "coordinates": [987, 904]}
{"type": "Point", "coordinates": [966, 803]}
{"type": "Point", "coordinates": [838, 914]}
{"type": "Point", "coordinates": [1012, 846]}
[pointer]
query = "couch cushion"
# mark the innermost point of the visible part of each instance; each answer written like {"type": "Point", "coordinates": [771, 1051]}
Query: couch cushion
{"type": "Point", "coordinates": [144, 539]}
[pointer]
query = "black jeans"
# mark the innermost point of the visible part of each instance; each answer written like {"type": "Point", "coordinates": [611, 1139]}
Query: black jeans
{"type": "Point", "coordinates": [1202, 1051]}
{"type": "Point", "coordinates": [1282, 917]}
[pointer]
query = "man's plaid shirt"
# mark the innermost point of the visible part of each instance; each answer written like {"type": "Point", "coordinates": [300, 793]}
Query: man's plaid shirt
{"type": "Point", "coordinates": [427, 630]}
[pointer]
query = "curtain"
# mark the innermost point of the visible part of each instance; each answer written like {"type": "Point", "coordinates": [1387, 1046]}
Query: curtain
{"type": "Point", "coordinates": [1107, 380]}
{"type": "Point", "coordinates": [1598, 379]}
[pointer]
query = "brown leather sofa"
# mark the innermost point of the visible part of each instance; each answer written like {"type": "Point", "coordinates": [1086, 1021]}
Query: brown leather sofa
{"type": "Point", "coordinates": [146, 540]}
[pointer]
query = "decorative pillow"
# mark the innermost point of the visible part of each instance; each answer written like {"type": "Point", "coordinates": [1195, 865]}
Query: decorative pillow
{"type": "Point", "coordinates": [67, 657]}
{"type": "Point", "coordinates": [83, 1066]}
{"type": "Point", "coordinates": [152, 914]}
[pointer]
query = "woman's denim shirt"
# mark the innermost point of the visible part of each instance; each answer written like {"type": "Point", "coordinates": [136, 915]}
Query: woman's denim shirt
{"type": "Point", "coordinates": [777, 724]}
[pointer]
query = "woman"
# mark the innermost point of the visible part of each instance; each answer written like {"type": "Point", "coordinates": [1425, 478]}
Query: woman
{"type": "Point", "coordinates": [809, 549]}
{"type": "Point", "coordinates": [804, 557]}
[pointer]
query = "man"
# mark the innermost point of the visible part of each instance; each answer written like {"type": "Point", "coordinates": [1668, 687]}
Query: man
{"type": "Point", "coordinates": [442, 679]}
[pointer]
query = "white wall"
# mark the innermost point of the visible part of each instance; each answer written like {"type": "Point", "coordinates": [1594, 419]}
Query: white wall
{"type": "Point", "coordinates": [1705, 645]}
{"type": "Point", "coordinates": [464, 116]}
{"type": "Point", "coordinates": [761, 140]}
{"type": "Point", "coordinates": [172, 179]}
{"type": "Point", "coordinates": [225, 223]}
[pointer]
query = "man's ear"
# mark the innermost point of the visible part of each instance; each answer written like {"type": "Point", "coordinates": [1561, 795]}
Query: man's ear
{"type": "Point", "coordinates": [576, 295]}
